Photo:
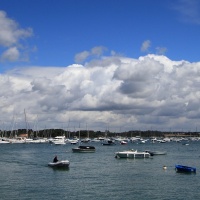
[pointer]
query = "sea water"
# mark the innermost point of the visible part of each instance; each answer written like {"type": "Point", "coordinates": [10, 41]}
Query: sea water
{"type": "Point", "coordinates": [25, 175]}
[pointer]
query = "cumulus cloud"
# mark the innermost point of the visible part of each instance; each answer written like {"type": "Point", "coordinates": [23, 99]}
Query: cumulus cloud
{"type": "Point", "coordinates": [158, 50]}
{"type": "Point", "coordinates": [151, 91]}
{"type": "Point", "coordinates": [11, 54]}
{"type": "Point", "coordinates": [145, 45]}
{"type": "Point", "coordinates": [98, 51]}
{"type": "Point", "coordinates": [161, 50]}
{"type": "Point", "coordinates": [10, 33]}
{"type": "Point", "coordinates": [95, 51]}
{"type": "Point", "coordinates": [11, 36]}
{"type": "Point", "coordinates": [80, 57]}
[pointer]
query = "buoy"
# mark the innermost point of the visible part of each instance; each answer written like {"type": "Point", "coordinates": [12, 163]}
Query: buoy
{"type": "Point", "coordinates": [164, 167]}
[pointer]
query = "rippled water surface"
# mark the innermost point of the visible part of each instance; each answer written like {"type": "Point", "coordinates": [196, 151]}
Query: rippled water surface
{"type": "Point", "coordinates": [24, 173]}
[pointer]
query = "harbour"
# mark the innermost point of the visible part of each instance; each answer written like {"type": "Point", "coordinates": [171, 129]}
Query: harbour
{"type": "Point", "coordinates": [25, 173]}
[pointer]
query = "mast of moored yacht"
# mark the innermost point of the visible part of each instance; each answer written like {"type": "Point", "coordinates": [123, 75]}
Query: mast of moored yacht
{"type": "Point", "coordinates": [26, 122]}
{"type": "Point", "coordinates": [79, 134]}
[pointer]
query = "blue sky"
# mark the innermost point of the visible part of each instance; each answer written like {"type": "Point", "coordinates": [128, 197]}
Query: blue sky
{"type": "Point", "coordinates": [107, 63]}
{"type": "Point", "coordinates": [63, 28]}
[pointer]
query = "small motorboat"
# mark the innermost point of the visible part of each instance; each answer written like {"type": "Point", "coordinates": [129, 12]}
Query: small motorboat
{"type": "Point", "coordinates": [84, 149]}
{"type": "Point", "coordinates": [182, 168]}
{"type": "Point", "coordinates": [154, 153]}
{"type": "Point", "coordinates": [59, 164]}
{"type": "Point", "coordinates": [123, 142]}
{"type": "Point", "coordinates": [108, 142]}
{"type": "Point", "coordinates": [4, 142]}
{"type": "Point", "coordinates": [132, 154]}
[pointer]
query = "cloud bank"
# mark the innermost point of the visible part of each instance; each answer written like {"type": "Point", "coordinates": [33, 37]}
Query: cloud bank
{"type": "Point", "coordinates": [122, 93]}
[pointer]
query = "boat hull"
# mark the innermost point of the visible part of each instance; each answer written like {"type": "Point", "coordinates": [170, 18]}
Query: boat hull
{"type": "Point", "coordinates": [182, 168]}
{"type": "Point", "coordinates": [108, 142]}
{"type": "Point", "coordinates": [59, 164]}
{"type": "Point", "coordinates": [154, 153]}
{"type": "Point", "coordinates": [4, 142]}
{"type": "Point", "coordinates": [84, 149]}
{"type": "Point", "coordinates": [132, 154]}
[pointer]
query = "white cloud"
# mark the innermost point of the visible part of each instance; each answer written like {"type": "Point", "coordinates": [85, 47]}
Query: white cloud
{"type": "Point", "coordinates": [10, 33]}
{"type": "Point", "coordinates": [145, 45]}
{"type": "Point", "coordinates": [11, 36]}
{"type": "Point", "coordinates": [151, 91]}
{"type": "Point", "coordinates": [98, 51]}
{"type": "Point", "coordinates": [95, 51]}
{"type": "Point", "coordinates": [11, 54]}
{"type": "Point", "coordinates": [189, 10]}
{"type": "Point", "coordinates": [80, 57]}
{"type": "Point", "coordinates": [161, 50]}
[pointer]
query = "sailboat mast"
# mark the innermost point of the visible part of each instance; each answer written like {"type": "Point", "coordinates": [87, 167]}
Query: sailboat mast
{"type": "Point", "coordinates": [26, 122]}
{"type": "Point", "coordinates": [87, 131]}
{"type": "Point", "coordinates": [79, 134]}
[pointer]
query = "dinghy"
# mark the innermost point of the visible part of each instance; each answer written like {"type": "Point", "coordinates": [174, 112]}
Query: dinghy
{"type": "Point", "coordinates": [60, 164]}
{"type": "Point", "coordinates": [182, 168]}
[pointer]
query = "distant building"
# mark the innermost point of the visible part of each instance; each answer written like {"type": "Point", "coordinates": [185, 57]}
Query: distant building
{"type": "Point", "coordinates": [25, 135]}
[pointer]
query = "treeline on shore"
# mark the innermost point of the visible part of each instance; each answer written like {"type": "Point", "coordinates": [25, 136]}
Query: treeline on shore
{"type": "Point", "coordinates": [47, 133]}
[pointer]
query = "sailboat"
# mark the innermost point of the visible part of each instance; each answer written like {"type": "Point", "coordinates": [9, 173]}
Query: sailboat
{"type": "Point", "coordinates": [87, 139]}
{"type": "Point", "coordinates": [27, 139]}
{"type": "Point", "coordinates": [83, 149]}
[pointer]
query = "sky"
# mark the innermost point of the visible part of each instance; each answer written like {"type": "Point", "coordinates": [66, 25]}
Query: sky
{"type": "Point", "coordinates": [105, 64]}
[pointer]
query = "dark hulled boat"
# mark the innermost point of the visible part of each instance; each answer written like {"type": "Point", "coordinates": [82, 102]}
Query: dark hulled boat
{"type": "Point", "coordinates": [84, 149]}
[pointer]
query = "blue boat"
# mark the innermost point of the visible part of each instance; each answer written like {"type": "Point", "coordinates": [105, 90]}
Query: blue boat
{"type": "Point", "coordinates": [182, 168]}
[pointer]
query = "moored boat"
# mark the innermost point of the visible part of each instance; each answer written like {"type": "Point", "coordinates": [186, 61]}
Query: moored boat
{"type": "Point", "coordinates": [154, 153]}
{"type": "Point", "coordinates": [84, 149]}
{"type": "Point", "coordinates": [123, 142]}
{"type": "Point", "coordinates": [4, 141]}
{"type": "Point", "coordinates": [58, 140]}
{"type": "Point", "coordinates": [108, 142]}
{"type": "Point", "coordinates": [182, 168]}
{"type": "Point", "coordinates": [72, 141]}
{"type": "Point", "coordinates": [132, 154]}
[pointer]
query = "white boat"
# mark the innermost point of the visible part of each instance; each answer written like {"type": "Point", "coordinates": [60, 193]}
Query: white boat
{"type": "Point", "coordinates": [28, 140]}
{"type": "Point", "coordinates": [59, 140]}
{"type": "Point", "coordinates": [95, 140]}
{"type": "Point", "coordinates": [123, 142]}
{"type": "Point", "coordinates": [152, 153]}
{"type": "Point", "coordinates": [4, 141]}
{"type": "Point", "coordinates": [84, 149]}
{"type": "Point", "coordinates": [60, 164]}
{"type": "Point", "coordinates": [108, 142]}
{"type": "Point", "coordinates": [86, 140]}
{"type": "Point", "coordinates": [141, 141]}
{"type": "Point", "coordinates": [17, 140]}
{"type": "Point", "coordinates": [132, 154]}
{"type": "Point", "coordinates": [39, 140]}
{"type": "Point", "coordinates": [72, 141]}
